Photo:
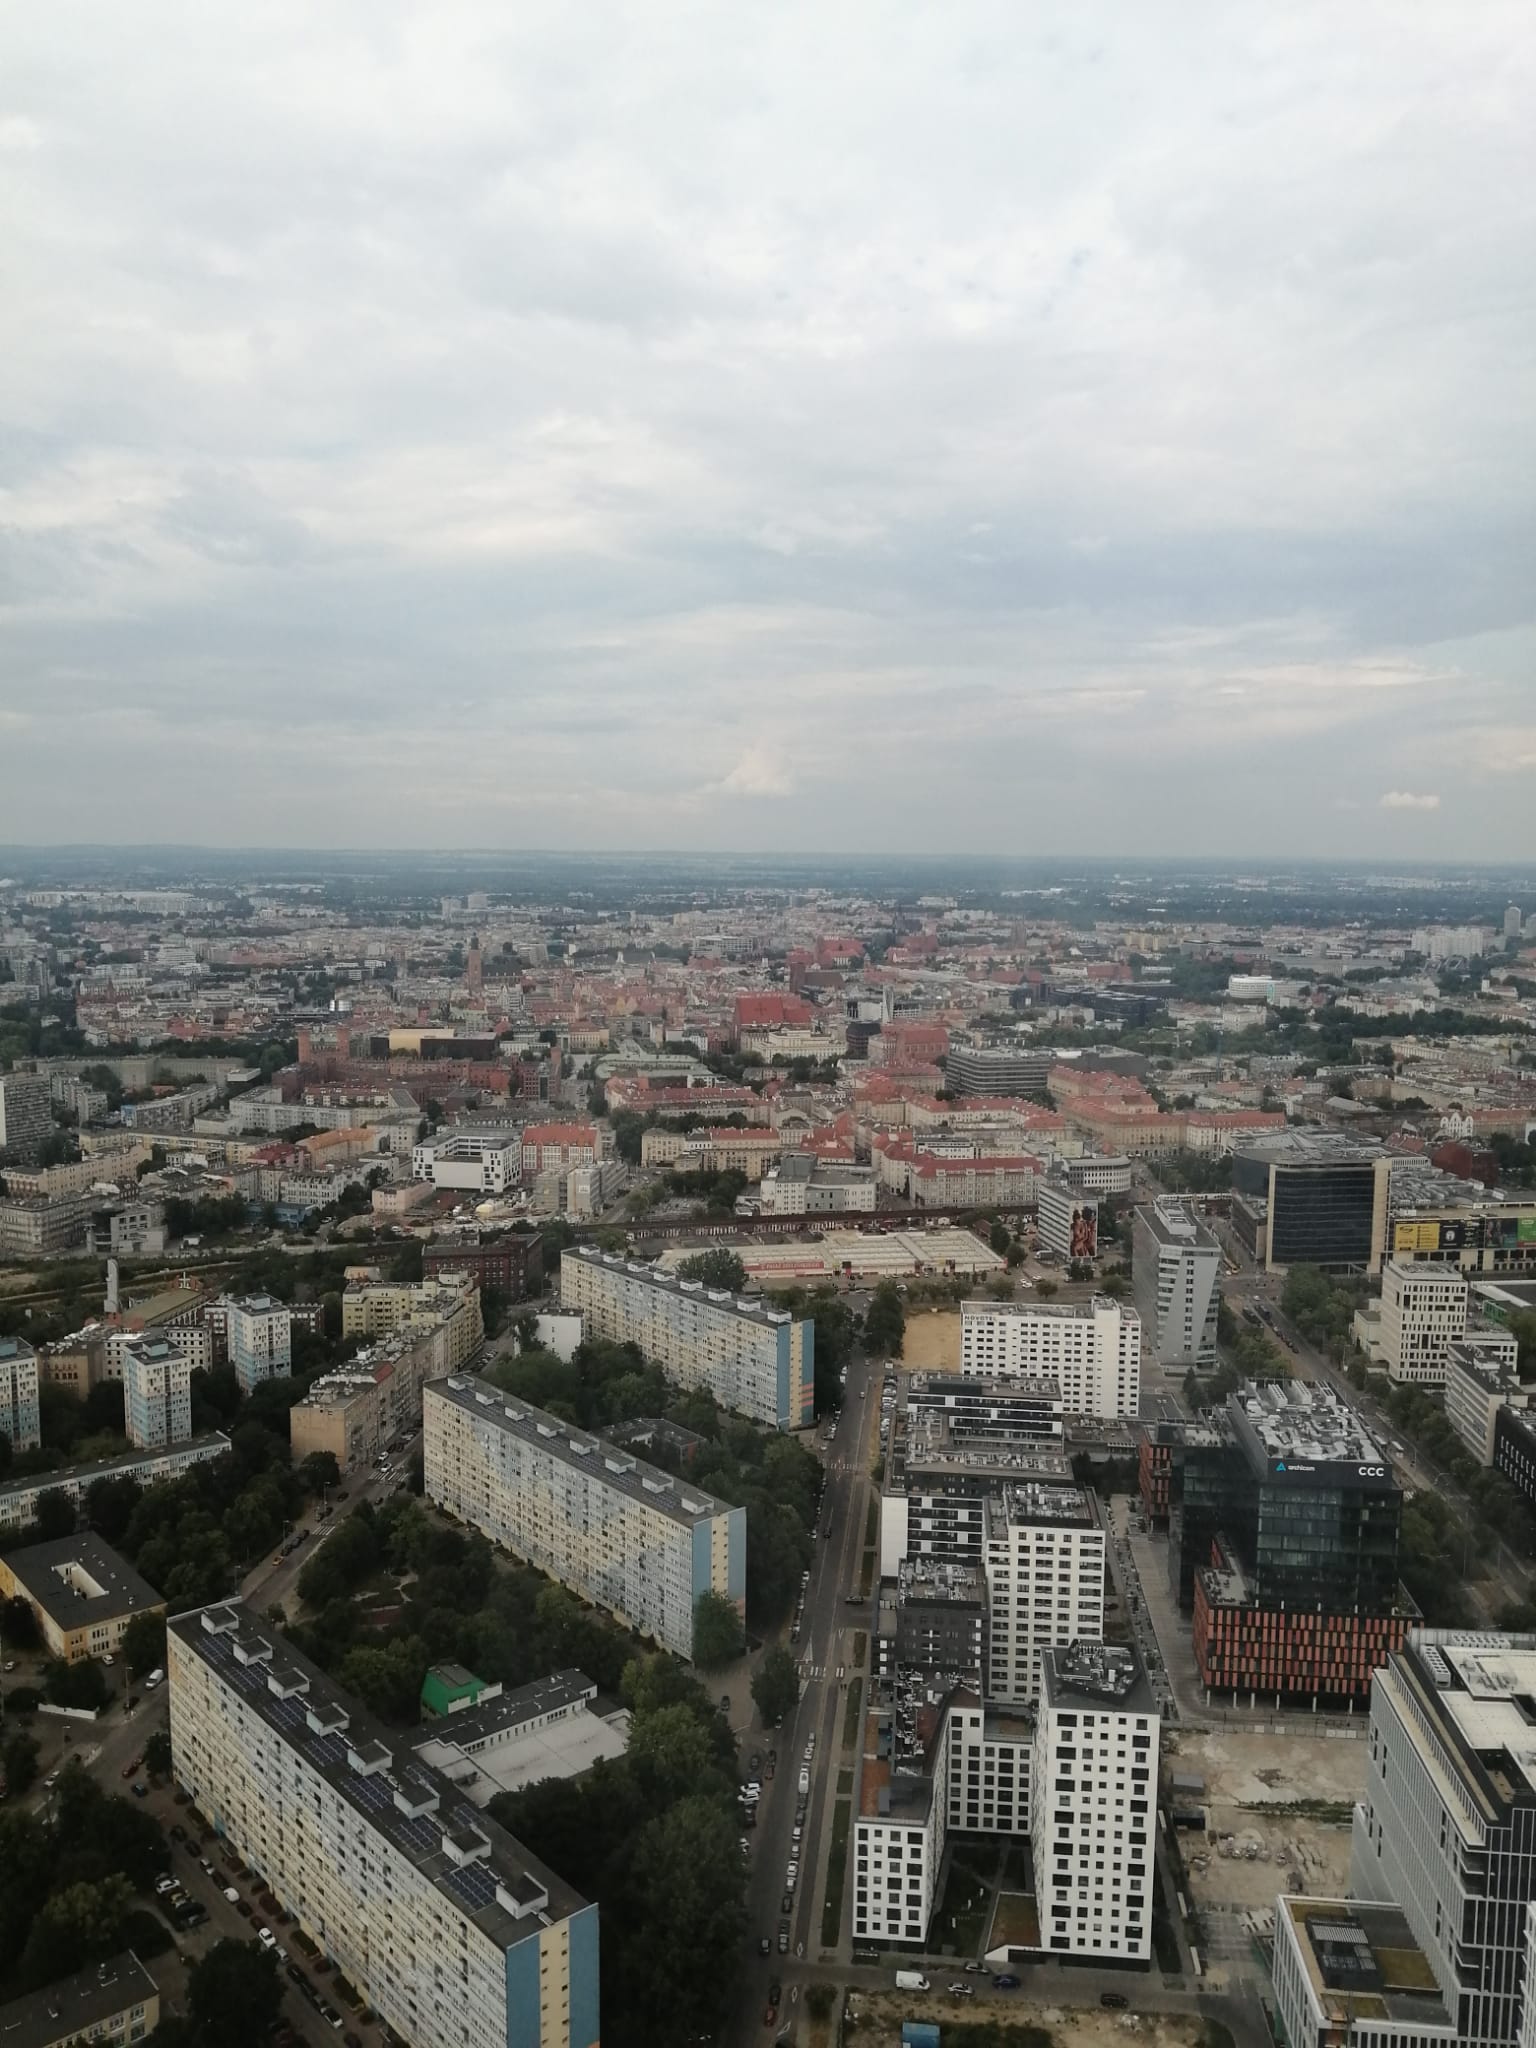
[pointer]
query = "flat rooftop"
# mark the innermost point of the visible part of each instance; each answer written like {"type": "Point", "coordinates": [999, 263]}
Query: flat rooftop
{"type": "Point", "coordinates": [1048, 1311]}
{"type": "Point", "coordinates": [1175, 1224]}
{"type": "Point", "coordinates": [1480, 1685]}
{"type": "Point", "coordinates": [610, 1462]}
{"type": "Point", "coordinates": [1363, 1963]}
{"type": "Point", "coordinates": [544, 1730]}
{"type": "Point", "coordinates": [924, 1580]}
{"type": "Point", "coordinates": [190, 1451]}
{"type": "Point", "coordinates": [76, 2007]}
{"type": "Point", "coordinates": [1304, 1420]}
{"type": "Point", "coordinates": [79, 1582]}
{"type": "Point", "coordinates": [749, 1308]}
{"type": "Point", "coordinates": [1098, 1677]}
{"type": "Point", "coordinates": [484, 1873]}
{"type": "Point", "coordinates": [1035, 1500]}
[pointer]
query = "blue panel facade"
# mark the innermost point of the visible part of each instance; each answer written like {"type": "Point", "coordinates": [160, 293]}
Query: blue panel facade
{"type": "Point", "coordinates": [524, 2025]}
{"type": "Point", "coordinates": [736, 1557]}
{"type": "Point", "coordinates": [586, 2026]}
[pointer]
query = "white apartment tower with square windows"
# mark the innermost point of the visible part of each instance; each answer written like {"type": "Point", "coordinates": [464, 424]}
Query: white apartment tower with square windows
{"type": "Point", "coordinates": [1093, 1821]}
{"type": "Point", "coordinates": [1091, 1349]}
{"type": "Point", "coordinates": [1044, 1558]}
{"type": "Point", "coordinates": [1423, 1312]}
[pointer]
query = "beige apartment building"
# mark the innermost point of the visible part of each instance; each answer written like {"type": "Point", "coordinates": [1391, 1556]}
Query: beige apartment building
{"type": "Point", "coordinates": [447, 1307]}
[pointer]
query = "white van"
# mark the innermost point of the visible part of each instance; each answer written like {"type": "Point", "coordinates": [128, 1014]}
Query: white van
{"type": "Point", "coordinates": [156, 1677]}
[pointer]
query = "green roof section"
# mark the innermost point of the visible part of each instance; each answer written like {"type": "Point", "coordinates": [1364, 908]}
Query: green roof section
{"type": "Point", "coordinates": [447, 1687]}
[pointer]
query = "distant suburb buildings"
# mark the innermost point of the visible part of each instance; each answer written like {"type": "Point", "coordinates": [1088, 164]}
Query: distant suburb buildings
{"type": "Point", "coordinates": [1091, 1349]}
{"type": "Point", "coordinates": [444, 1923]}
{"type": "Point", "coordinates": [623, 1534]}
{"type": "Point", "coordinates": [756, 1360]}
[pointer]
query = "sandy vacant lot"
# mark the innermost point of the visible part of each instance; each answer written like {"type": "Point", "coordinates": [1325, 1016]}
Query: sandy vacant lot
{"type": "Point", "coordinates": [880, 2019]}
{"type": "Point", "coordinates": [932, 1341]}
{"type": "Point", "coordinates": [1278, 1812]}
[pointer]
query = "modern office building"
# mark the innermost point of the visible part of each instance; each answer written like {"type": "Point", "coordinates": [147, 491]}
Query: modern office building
{"type": "Point", "coordinates": [1091, 1349]}
{"type": "Point", "coordinates": [1176, 1278]}
{"type": "Point", "coordinates": [260, 1334]}
{"type": "Point", "coordinates": [1446, 1830]}
{"type": "Point", "coordinates": [116, 2001]}
{"type": "Point", "coordinates": [1423, 1311]}
{"type": "Point", "coordinates": [1325, 1198]}
{"type": "Point", "coordinates": [1045, 1569]}
{"type": "Point", "coordinates": [26, 1118]}
{"type": "Point", "coordinates": [1481, 1377]}
{"type": "Point", "coordinates": [470, 1158]}
{"type": "Point", "coordinates": [19, 1497]}
{"type": "Point", "coordinates": [82, 1595]}
{"type": "Point", "coordinates": [997, 1069]}
{"type": "Point", "coordinates": [157, 1391]}
{"type": "Point", "coordinates": [443, 1922]}
{"type": "Point", "coordinates": [623, 1534]}
{"type": "Point", "coordinates": [20, 1414]}
{"type": "Point", "coordinates": [1514, 1448]}
{"type": "Point", "coordinates": [1349, 1973]}
{"type": "Point", "coordinates": [757, 1360]}
{"type": "Point", "coordinates": [1093, 1816]}
{"type": "Point", "coordinates": [1284, 1519]}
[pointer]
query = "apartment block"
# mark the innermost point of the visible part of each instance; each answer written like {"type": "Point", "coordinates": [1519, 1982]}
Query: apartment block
{"type": "Point", "coordinates": [192, 1341]}
{"type": "Point", "coordinates": [1446, 1829]}
{"type": "Point", "coordinates": [755, 1360]}
{"type": "Point", "coordinates": [1045, 1581]}
{"type": "Point", "coordinates": [1423, 1311]}
{"type": "Point", "coordinates": [260, 1336]}
{"type": "Point", "coordinates": [82, 1595]}
{"type": "Point", "coordinates": [116, 2000]}
{"type": "Point", "coordinates": [1092, 1349]}
{"type": "Point", "coordinates": [19, 1497]}
{"type": "Point", "coordinates": [1094, 1812]}
{"type": "Point", "coordinates": [26, 1118]}
{"type": "Point", "coordinates": [512, 1261]}
{"type": "Point", "coordinates": [42, 1226]}
{"type": "Point", "coordinates": [477, 1161]}
{"type": "Point", "coordinates": [956, 1445]}
{"type": "Point", "coordinates": [447, 1305]}
{"type": "Point", "coordinates": [1067, 1220]}
{"type": "Point", "coordinates": [20, 1414]}
{"type": "Point", "coordinates": [1481, 1377]}
{"type": "Point", "coordinates": [623, 1534]}
{"type": "Point", "coordinates": [354, 1411]}
{"type": "Point", "coordinates": [446, 1925]}
{"type": "Point", "coordinates": [562, 1146]}
{"type": "Point", "coordinates": [157, 1391]}
{"type": "Point", "coordinates": [1176, 1278]}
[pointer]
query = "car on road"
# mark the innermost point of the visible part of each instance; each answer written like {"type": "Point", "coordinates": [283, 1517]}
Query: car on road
{"type": "Point", "coordinates": [131, 1766]}
{"type": "Point", "coordinates": [140, 1790]}
{"type": "Point", "coordinates": [783, 1937]}
{"type": "Point", "coordinates": [1115, 2000]}
{"type": "Point", "coordinates": [755, 1762]}
{"type": "Point", "coordinates": [164, 1884]}
{"type": "Point", "coordinates": [770, 2015]}
{"type": "Point", "coordinates": [976, 1969]}
{"type": "Point", "coordinates": [266, 1937]}
{"type": "Point", "coordinates": [793, 1868]}
{"type": "Point", "coordinates": [787, 1903]}
{"type": "Point", "coordinates": [765, 1945]}
{"type": "Point", "coordinates": [1007, 1982]}
{"type": "Point", "coordinates": [959, 1990]}
{"type": "Point", "coordinates": [232, 1895]}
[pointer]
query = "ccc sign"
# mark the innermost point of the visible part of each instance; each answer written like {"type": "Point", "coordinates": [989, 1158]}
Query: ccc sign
{"type": "Point", "coordinates": [1372, 1471]}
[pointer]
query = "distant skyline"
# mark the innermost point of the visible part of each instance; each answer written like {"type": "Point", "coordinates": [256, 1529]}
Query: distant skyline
{"type": "Point", "coordinates": [966, 431]}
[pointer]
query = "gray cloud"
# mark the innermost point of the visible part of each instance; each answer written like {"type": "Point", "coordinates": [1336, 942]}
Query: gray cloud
{"type": "Point", "coordinates": [943, 429]}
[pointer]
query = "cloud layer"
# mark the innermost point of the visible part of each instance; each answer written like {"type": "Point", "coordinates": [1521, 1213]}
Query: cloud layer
{"type": "Point", "coordinates": [944, 429]}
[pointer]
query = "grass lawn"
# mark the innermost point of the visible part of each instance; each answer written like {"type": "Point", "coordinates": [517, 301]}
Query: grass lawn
{"type": "Point", "coordinates": [853, 1708]}
{"type": "Point", "coordinates": [961, 1919]}
{"type": "Point", "coordinates": [837, 1862]}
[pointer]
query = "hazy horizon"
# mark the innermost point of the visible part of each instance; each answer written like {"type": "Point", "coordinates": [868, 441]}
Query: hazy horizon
{"type": "Point", "coordinates": [964, 431]}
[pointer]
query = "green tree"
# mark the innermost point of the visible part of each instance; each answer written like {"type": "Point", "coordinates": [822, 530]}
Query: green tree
{"type": "Point", "coordinates": [18, 1759]}
{"type": "Point", "coordinates": [776, 1685]}
{"type": "Point", "coordinates": [76, 1685]}
{"type": "Point", "coordinates": [717, 1268]}
{"type": "Point", "coordinates": [144, 1643]}
{"type": "Point", "coordinates": [679, 1924]}
{"type": "Point", "coordinates": [318, 1471]}
{"type": "Point", "coordinates": [885, 1324]}
{"type": "Point", "coordinates": [717, 1637]}
{"type": "Point", "coordinates": [668, 1753]}
{"type": "Point", "coordinates": [158, 1760]}
{"type": "Point", "coordinates": [26, 1866]}
{"type": "Point", "coordinates": [235, 1995]}
{"type": "Point", "coordinates": [999, 1237]}
{"type": "Point", "coordinates": [55, 1515]}
{"type": "Point", "coordinates": [77, 1925]}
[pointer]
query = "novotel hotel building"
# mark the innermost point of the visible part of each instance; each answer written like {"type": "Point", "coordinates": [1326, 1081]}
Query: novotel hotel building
{"type": "Point", "coordinates": [1286, 1528]}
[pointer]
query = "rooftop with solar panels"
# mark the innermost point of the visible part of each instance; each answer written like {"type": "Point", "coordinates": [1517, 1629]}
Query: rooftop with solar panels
{"type": "Point", "coordinates": [488, 1875]}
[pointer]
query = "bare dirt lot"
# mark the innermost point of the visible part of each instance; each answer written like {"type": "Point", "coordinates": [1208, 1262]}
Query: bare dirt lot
{"type": "Point", "coordinates": [932, 1341]}
{"type": "Point", "coordinates": [1278, 1815]}
{"type": "Point", "coordinates": [879, 2020]}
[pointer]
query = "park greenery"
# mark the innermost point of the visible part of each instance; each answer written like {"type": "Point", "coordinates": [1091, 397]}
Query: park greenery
{"type": "Point", "coordinates": [770, 1475]}
{"type": "Point", "coordinates": [71, 1883]}
{"type": "Point", "coordinates": [651, 1836]}
{"type": "Point", "coordinates": [775, 1685]}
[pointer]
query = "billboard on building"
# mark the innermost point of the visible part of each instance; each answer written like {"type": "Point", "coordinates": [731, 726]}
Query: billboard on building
{"type": "Point", "coordinates": [1083, 1236]}
{"type": "Point", "coordinates": [1462, 1234]}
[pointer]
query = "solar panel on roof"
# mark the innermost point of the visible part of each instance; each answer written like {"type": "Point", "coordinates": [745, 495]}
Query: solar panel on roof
{"type": "Point", "coordinates": [474, 1886]}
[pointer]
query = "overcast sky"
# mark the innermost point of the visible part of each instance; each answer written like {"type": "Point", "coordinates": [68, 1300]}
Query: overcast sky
{"type": "Point", "coordinates": [964, 427]}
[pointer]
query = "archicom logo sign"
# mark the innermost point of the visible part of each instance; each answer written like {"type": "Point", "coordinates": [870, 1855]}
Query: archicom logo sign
{"type": "Point", "coordinates": [1330, 1474]}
